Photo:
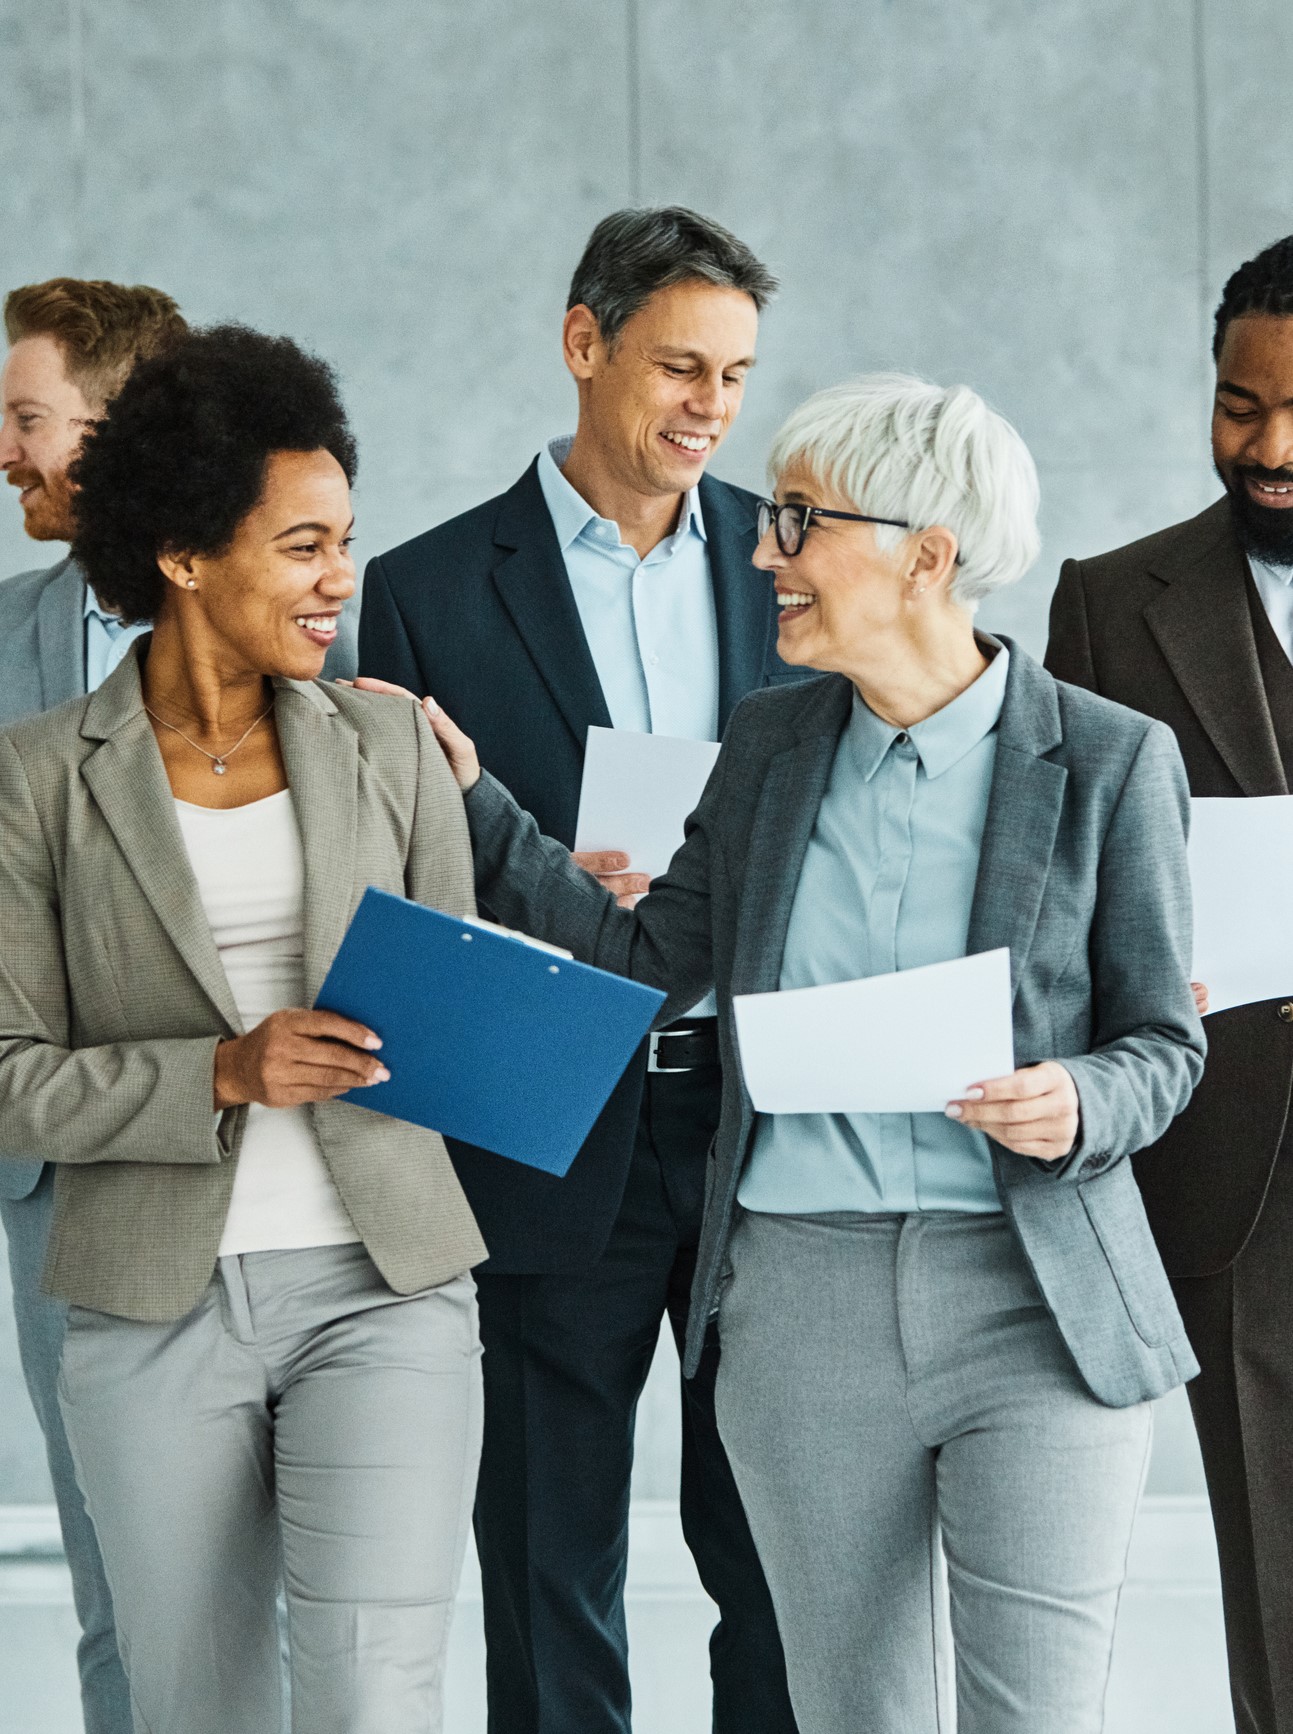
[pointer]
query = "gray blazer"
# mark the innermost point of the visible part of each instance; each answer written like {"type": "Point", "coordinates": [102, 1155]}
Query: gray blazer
{"type": "Point", "coordinates": [42, 664]}
{"type": "Point", "coordinates": [1082, 875]}
{"type": "Point", "coordinates": [113, 998]}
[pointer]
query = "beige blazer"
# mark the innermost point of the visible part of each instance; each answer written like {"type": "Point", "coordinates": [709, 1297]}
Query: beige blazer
{"type": "Point", "coordinates": [113, 997]}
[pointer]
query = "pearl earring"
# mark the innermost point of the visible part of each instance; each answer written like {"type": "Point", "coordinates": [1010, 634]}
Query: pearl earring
{"type": "Point", "coordinates": [192, 583]}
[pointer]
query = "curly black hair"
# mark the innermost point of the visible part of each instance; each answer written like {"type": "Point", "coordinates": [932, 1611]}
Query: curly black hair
{"type": "Point", "coordinates": [179, 458]}
{"type": "Point", "coordinates": [1262, 285]}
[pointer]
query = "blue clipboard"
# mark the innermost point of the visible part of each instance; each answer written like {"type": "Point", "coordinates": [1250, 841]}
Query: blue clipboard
{"type": "Point", "coordinates": [487, 1039]}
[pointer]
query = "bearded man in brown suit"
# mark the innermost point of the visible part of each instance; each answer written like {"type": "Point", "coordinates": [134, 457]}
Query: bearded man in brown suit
{"type": "Point", "coordinates": [1194, 626]}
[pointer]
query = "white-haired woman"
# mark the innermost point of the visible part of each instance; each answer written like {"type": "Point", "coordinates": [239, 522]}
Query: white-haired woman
{"type": "Point", "coordinates": [933, 1325]}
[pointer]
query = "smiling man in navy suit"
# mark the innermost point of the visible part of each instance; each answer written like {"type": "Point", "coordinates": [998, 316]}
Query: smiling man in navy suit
{"type": "Point", "coordinates": [610, 586]}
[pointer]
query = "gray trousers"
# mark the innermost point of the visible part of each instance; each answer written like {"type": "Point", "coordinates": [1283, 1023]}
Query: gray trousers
{"type": "Point", "coordinates": [892, 1383]}
{"type": "Point", "coordinates": [301, 1418]}
{"type": "Point", "coordinates": [105, 1700]}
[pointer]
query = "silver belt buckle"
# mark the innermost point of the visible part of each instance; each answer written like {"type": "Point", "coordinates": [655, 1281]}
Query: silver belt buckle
{"type": "Point", "coordinates": [653, 1055]}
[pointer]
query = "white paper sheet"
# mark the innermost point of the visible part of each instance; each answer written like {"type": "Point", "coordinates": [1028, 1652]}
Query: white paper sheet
{"type": "Point", "coordinates": [1241, 869]}
{"type": "Point", "coordinates": [637, 792]}
{"type": "Point", "coordinates": [907, 1043]}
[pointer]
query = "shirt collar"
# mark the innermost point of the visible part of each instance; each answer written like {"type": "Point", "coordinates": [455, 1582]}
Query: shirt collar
{"type": "Point", "coordinates": [93, 609]}
{"type": "Point", "coordinates": [1281, 574]}
{"type": "Point", "coordinates": [571, 514]}
{"type": "Point", "coordinates": [941, 740]}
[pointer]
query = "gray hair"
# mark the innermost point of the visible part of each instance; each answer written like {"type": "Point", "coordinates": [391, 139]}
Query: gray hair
{"type": "Point", "coordinates": [634, 253]}
{"type": "Point", "coordinates": [899, 447]}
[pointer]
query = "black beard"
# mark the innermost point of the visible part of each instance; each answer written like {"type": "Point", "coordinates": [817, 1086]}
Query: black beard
{"type": "Point", "coordinates": [1266, 532]}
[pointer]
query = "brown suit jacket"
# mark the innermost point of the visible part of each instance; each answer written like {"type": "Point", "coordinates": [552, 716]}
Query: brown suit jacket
{"type": "Point", "coordinates": [113, 996]}
{"type": "Point", "coordinates": [1164, 625]}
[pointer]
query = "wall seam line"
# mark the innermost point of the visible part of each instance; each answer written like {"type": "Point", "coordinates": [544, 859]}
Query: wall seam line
{"type": "Point", "coordinates": [1203, 171]}
{"type": "Point", "coordinates": [76, 124]}
{"type": "Point", "coordinates": [634, 104]}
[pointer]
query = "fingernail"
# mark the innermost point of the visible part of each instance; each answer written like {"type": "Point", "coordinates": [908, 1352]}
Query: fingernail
{"type": "Point", "coordinates": [372, 1042]}
{"type": "Point", "coordinates": [975, 1095]}
{"type": "Point", "coordinates": [381, 1075]}
{"type": "Point", "coordinates": [953, 1110]}
{"type": "Point", "coordinates": [430, 706]}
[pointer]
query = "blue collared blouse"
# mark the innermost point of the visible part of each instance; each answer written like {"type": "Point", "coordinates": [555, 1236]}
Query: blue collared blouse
{"type": "Point", "coordinates": [887, 883]}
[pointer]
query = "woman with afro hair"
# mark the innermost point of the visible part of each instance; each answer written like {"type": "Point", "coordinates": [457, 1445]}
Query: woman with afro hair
{"type": "Point", "coordinates": [272, 1363]}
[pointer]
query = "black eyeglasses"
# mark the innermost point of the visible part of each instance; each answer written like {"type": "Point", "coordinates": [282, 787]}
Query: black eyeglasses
{"type": "Point", "coordinates": [792, 522]}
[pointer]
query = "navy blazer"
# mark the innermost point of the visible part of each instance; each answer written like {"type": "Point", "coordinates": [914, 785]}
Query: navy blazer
{"type": "Point", "coordinates": [479, 613]}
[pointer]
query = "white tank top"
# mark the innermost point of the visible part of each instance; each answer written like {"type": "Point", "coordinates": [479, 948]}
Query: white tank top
{"type": "Point", "coordinates": [251, 877]}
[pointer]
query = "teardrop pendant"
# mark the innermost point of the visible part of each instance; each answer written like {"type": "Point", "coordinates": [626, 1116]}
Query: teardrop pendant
{"type": "Point", "coordinates": [219, 767]}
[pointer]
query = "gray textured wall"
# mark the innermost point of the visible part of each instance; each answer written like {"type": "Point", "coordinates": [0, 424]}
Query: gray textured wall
{"type": "Point", "coordinates": [1043, 201]}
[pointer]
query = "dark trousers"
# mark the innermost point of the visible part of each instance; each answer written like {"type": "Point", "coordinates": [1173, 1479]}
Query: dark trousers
{"type": "Point", "coordinates": [1241, 1325]}
{"type": "Point", "coordinates": [565, 1362]}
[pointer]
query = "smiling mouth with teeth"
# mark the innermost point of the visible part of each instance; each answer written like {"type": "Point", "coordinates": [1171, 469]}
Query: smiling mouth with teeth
{"type": "Point", "coordinates": [1272, 493]}
{"type": "Point", "coordinates": [693, 443]}
{"type": "Point", "coordinates": [794, 601]}
{"type": "Point", "coordinates": [318, 625]}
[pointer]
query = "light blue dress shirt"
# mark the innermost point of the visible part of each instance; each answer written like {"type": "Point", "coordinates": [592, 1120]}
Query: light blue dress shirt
{"type": "Point", "coordinates": [106, 640]}
{"type": "Point", "coordinates": [1275, 587]}
{"type": "Point", "coordinates": [887, 883]}
{"type": "Point", "coordinates": [651, 624]}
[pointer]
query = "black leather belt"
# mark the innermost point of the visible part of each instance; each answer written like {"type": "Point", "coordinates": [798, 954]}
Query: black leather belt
{"type": "Point", "coordinates": [682, 1049]}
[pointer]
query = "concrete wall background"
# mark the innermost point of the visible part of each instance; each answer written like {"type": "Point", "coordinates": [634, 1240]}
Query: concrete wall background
{"type": "Point", "coordinates": [1043, 202]}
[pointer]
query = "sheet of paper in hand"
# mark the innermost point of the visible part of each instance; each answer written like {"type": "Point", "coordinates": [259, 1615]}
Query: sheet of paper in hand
{"type": "Point", "coordinates": [637, 792]}
{"type": "Point", "coordinates": [1241, 874]}
{"type": "Point", "coordinates": [906, 1043]}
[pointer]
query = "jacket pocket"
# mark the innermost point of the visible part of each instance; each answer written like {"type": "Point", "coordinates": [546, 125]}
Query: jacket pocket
{"type": "Point", "coordinates": [1114, 1209]}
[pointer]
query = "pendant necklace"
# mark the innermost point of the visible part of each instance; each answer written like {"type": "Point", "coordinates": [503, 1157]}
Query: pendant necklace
{"type": "Point", "coordinates": [219, 764]}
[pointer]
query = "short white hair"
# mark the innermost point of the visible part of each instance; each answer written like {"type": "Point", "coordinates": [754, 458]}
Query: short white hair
{"type": "Point", "coordinates": [898, 447]}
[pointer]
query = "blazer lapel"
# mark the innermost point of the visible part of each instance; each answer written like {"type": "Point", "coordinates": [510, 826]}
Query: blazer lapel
{"type": "Point", "coordinates": [60, 636]}
{"type": "Point", "coordinates": [321, 754]}
{"type": "Point", "coordinates": [1023, 817]}
{"type": "Point", "coordinates": [128, 781]}
{"type": "Point", "coordinates": [742, 595]}
{"type": "Point", "coordinates": [1203, 627]}
{"type": "Point", "coordinates": [793, 786]}
{"type": "Point", "coordinates": [532, 583]}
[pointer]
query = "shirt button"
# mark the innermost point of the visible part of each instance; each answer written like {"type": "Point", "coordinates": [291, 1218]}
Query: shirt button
{"type": "Point", "coordinates": [1286, 1011]}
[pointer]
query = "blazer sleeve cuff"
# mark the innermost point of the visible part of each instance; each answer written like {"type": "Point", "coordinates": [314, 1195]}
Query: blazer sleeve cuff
{"type": "Point", "coordinates": [1087, 1156]}
{"type": "Point", "coordinates": [190, 1129]}
{"type": "Point", "coordinates": [1091, 1150]}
